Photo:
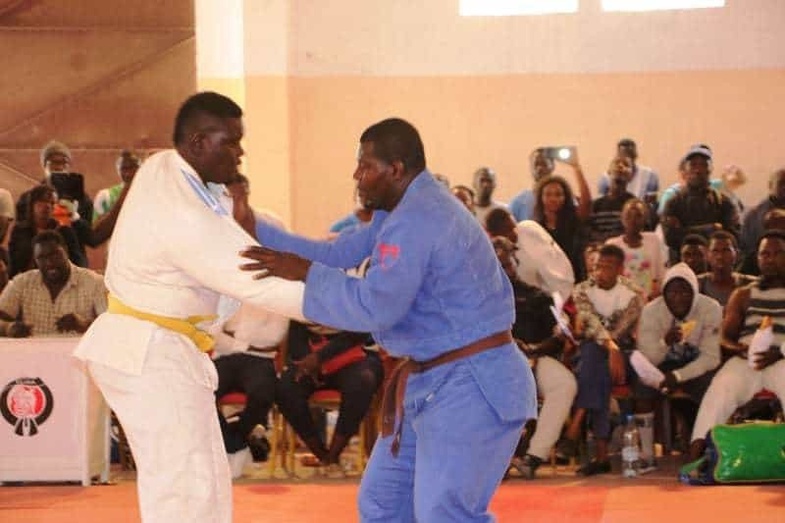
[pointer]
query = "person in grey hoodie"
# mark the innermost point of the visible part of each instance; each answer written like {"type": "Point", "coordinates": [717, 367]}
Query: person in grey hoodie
{"type": "Point", "coordinates": [679, 332]}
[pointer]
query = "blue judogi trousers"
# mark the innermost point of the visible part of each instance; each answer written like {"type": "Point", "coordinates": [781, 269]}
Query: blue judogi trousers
{"type": "Point", "coordinates": [455, 448]}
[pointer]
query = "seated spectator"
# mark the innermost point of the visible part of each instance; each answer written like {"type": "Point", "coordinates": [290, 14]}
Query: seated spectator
{"type": "Point", "coordinates": [540, 262]}
{"type": "Point", "coordinates": [644, 252]}
{"type": "Point", "coordinates": [644, 181]}
{"type": "Point", "coordinates": [697, 208]}
{"type": "Point", "coordinates": [484, 184]}
{"type": "Point", "coordinates": [39, 218]}
{"type": "Point", "coordinates": [533, 331]}
{"type": "Point", "coordinates": [609, 306]}
{"type": "Point", "coordinates": [465, 195]}
{"type": "Point", "coordinates": [738, 380]}
{"type": "Point", "coordinates": [605, 220]}
{"type": "Point", "coordinates": [722, 280]}
{"type": "Point", "coordinates": [754, 226]}
{"type": "Point", "coordinates": [247, 339]}
{"type": "Point", "coordinates": [694, 252]}
{"type": "Point", "coordinates": [126, 165]}
{"type": "Point", "coordinates": [679, 333]}
{"type": "Point", "coordinates": [522, 205]}
{"type": "Point", "coordinates": [556, 211]}
{"type": "Point", "coordinates": [357, 382]}
{"type": "Point", "coordinates": [57, 297]}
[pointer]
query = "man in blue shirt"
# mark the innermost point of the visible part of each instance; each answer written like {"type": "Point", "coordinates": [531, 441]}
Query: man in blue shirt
{"type": "Point", "coordinates": [436, 294]}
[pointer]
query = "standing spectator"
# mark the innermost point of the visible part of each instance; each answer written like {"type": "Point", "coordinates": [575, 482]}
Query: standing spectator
{"type": "Point", "coordinates": [465, 195]}
{"type": "Point", "coordinates": [679, 333]}
{"type": "Point", "coordinates": [126, 165]}
{"type": "Point", "coordinates": [556, 211]}
{"type": "Point", "coordinates": [753, 227]}
{"type": "Point", "coordinates": [644, 252]}
{"type": "Point", "coordinates": [522, 205]}
{"type": "Point", "coordinates": [643, 183]}
{"type": "Point", "coordinates": [484, 183]}
{"type": "Point", "coordinates": [58, 297]}
{"type": "Point", "coordinates": [39, 218]}
{"type": "Point", "coordinates": [540, 262]}
{"type": "Point", "coordinates": [609, 306]}
{"type": "Point", "coordinates": [722, 280]}
{"type": "Point", "coordinates": [697, 208]}
{"type": "Point", "coordinates": [605, 220]}
{"type": "Point", "coordinates": [739, 380]}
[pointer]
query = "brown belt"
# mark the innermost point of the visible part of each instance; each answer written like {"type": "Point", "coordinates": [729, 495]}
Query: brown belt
{"type": "Point", "coordinates": [392, 402]}
{"type": "Point", "coordinates": [273, 348]}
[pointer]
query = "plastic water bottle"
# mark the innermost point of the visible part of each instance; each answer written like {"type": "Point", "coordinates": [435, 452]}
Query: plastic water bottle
{"type": "Point", "coordinates": [631, 449]}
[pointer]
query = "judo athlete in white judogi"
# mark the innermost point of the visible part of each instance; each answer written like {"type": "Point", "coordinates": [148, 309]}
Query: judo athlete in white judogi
{"type": "Point", "coordinates": [174, 251]}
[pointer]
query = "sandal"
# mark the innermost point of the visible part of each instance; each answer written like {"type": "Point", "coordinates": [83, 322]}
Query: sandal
{"type": "Point", "coordinates": [311, 461]}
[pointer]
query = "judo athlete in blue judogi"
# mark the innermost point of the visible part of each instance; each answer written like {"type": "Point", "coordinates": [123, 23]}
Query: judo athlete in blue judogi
{"type": "Point", "coordinates": [435, 294]}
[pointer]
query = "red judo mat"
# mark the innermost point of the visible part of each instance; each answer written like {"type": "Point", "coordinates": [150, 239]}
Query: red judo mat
{"type": "Point", "coordinates": [607, 500]}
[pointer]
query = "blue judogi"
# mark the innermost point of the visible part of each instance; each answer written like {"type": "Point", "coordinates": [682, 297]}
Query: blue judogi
{"type": "Point", "coordinates": [434, 284]}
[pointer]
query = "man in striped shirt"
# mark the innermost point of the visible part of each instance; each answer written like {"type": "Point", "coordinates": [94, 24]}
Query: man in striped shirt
{"type": "Point", "coordinates": [739, 380]}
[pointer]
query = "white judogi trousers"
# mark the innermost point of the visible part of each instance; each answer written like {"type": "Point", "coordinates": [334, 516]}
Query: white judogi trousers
{"type": "Point", "coordinates": [169, 417]}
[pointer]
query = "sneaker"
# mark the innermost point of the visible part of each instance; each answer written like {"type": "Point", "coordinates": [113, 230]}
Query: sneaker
{"type": "Point", "coordinates": [238, 460]}
{"type": "Point", "coordinates": [526, 466]}
{"type": "Point", "coordinates": [594, 467]}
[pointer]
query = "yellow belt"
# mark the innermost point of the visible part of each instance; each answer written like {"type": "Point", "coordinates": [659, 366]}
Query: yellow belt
{"type": "Point", "coordinates": [187, 327]}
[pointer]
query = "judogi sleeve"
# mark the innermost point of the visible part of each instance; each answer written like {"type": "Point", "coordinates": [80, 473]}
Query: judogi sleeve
{"type": "Point", "coordinates": [348, 250]}
{"type": "Point", "coordinates": [381, 299]}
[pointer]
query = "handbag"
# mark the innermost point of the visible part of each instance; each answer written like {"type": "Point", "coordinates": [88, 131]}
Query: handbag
{"type": "Point", "coordinates": [746, 453]}
{"type": "Point", "coordinates": [336, 363]}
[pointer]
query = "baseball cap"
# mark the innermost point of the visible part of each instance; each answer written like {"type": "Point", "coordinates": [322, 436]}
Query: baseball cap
{"type": "Point", "coordinates": [699, 149]}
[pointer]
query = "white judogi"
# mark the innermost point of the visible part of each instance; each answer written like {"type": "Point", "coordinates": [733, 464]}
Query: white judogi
{"type": "Point", "coordinates": [174, 250]}
{"type": "Point", "coordinates": [541, 262]}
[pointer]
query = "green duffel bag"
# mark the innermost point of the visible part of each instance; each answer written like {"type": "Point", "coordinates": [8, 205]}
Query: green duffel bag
{"type": "Point", "coordinates": [746, 453]}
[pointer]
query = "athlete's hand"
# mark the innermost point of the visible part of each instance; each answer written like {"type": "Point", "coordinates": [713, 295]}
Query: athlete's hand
{"type": "Point", "coordinates": [273, 263]}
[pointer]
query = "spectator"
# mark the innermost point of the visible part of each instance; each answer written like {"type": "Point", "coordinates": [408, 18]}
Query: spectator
{"type": "Point", "coordinates": [753, 227]}
{"type": "Point", "coordinates": [739, 380]}
{"type": "Point", "coordinates": [540, 261]}
{"type": "Point", "coordinates": [58, 297]}
{"type": "Point", "coordinates": [533, 331]}
{"type": "Point", "coordinates": [247, 339]}
{"type": "Point", "coordinates": [556, 211]}
{"type": "Point", "coordinates": [609, 306]}
{"type": "Point", "coordinates": [522, 205]}
{"type": "Point", "coordinates": [697, 208]}
{"type": "Point", "coordinates": [357, 382]}
{"type": "Point", "coordinates": [644, 252]}
{"type": "Point", "coordinates": [694, 252]}
{"type": "Point", "coordinates": [465, 195]}
{"type": "Point", "coordinates": [605, 220]}
{"type": "Point", "coordinates": [126, 165]}
{"type": "Point", "coordinates": [643, 183]}
{"type": "Point", "coordinates": [361, 214]}
{"type": "Point", "coordinates": [679, 333]}
{"type": "Point", "coordinates": [722, 280]}
{"type": "Point", "coordinates": [484, 185]}
{"type": "Point", "coordinates": [39, 218]}
{"type": "Point", "coordinates": [443, 179]}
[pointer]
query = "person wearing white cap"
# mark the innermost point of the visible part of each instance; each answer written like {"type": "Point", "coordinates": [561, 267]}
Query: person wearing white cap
{"type": "Point", "coordinates": [697, 207]}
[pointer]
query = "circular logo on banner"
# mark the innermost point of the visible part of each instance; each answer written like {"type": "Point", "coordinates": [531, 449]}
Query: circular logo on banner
{"type": "Point", "coordinates": [26, 403]}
